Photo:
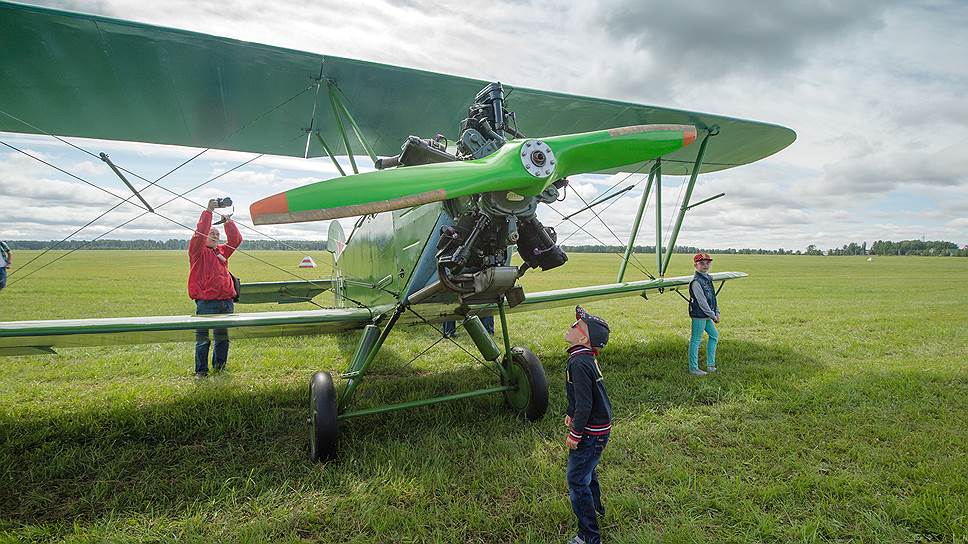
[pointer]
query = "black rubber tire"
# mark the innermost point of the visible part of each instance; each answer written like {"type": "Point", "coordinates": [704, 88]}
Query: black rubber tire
{"type": "Point", "coordinates": [531, 398]}
{"type": "Point", "coordinates": [323, 426]}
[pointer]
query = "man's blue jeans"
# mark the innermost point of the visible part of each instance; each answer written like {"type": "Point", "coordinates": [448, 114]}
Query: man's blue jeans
{"type": "Point", "coordinates": [3, 277]}
{"type": "Point", "coordinates": [583, 488]}
{"type": "Point", "coordinates": [221, 353]}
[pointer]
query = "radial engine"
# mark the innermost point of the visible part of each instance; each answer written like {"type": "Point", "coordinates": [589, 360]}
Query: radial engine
{"type": "Point", "coordinates": [473, 254]}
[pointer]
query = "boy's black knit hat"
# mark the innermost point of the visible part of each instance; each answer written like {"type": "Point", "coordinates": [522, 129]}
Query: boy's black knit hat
{"type": "Point", "coordinates": [597, 327]}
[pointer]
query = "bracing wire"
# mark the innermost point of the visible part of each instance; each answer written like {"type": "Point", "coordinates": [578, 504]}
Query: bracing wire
{"type": "Point", "coordinates": [632, 255]}
{"type": "Point", "coordinates": [311, 282]}
{"type": "Point", "coordinates": [152, 183]}
{"type": "Point", "coordinates": [668, 236]}
{"type": "Point", "coordinates": [23, 267]}
{"type": "Point", "coordinates": [455, 342]}
{"type": "Point", "coordinates": [599, 240]}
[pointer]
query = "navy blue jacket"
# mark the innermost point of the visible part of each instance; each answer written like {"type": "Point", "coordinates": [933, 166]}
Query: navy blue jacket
{"type": "Point", "coordinates": [588, 404]}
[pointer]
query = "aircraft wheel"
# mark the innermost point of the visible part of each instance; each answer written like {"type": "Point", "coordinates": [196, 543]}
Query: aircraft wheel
{"type": "Point", "coordinates": [531, 396]}
{"type": "Point", "coordinates": [323, 427]}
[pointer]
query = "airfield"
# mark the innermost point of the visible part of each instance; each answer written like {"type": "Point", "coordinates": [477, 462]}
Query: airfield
{"type": "Point", "coordinates": [840, 414]}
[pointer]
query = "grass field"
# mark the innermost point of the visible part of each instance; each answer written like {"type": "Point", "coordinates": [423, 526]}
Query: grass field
{"type": "Point", "coordinates": [840, 414]}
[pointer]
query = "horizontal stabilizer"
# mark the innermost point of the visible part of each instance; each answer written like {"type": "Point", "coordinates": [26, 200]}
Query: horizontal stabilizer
{"type": "Point", "coordinates": [283, 292]}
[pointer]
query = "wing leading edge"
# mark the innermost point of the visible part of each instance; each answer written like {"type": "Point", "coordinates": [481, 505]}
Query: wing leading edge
{"type": "Point", "coordinates": [542, 300]}
{"type": "Point", "coordinates": [41, 337]}
{"type": "Point", "coordinates": [35, 337]}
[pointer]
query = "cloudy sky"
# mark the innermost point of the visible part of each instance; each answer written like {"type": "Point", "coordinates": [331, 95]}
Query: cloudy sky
{"type": "Point", "coordinates": [875, 90]}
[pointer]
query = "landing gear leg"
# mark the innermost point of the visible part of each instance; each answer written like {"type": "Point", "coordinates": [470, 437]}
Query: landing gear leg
{"type": "Point", "coordinates": [523, 369]}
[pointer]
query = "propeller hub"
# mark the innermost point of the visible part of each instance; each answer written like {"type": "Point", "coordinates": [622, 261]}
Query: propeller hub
{"type": "Point", "coordinates": [537, 158]}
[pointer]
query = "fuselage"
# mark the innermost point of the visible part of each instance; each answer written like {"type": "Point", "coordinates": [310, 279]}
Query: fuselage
{"type": "Point", "coordinates": [391, 254]}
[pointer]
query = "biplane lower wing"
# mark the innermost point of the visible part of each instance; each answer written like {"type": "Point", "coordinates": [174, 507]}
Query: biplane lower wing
{"type": "Point", "coordinates": [564, 297]}
{"type": "Point", "coordinates": [41, 337]}
{"type": "Point", "coordinates": [35, 337]}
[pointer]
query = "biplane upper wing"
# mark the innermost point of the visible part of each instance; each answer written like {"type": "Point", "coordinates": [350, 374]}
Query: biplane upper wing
{"type": "Point", "coordinates": [40, 337]}
{"type": "Point", "coordinates": [83, 75]}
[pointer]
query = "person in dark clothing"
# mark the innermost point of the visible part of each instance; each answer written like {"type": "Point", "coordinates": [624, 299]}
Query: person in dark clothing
{"type": "Point", "coordinates": [589, 421]}
{"type": "Point", "coordinates": [704, 313]}
{"type": "Point", "coordinates": [6, 257]}
{"type": "Point", "coordinates": [210, 285]}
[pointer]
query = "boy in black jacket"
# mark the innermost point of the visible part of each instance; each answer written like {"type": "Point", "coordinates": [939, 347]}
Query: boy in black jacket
{"type": "Point", "coordinates": [589, 421]}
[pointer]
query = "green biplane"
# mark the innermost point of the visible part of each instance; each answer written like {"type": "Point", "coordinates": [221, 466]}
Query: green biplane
{"type": "Point", "coordinates": [438, 219]}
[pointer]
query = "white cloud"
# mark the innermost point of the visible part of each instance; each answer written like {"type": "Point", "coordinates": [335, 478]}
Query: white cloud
{"type": "Point", "coordinates": [875, 92]}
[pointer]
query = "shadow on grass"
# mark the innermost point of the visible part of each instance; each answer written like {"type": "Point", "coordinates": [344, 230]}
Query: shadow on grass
{"type": "Point", "coordinates": [243, 440]}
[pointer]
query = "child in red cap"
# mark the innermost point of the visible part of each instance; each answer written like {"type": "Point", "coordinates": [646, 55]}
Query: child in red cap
{"type": "Point", "coordinates": [704, 313]}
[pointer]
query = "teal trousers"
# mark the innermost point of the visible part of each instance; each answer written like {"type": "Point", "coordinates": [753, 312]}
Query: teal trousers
{"type": "Point", "coordinates": [698, 326]}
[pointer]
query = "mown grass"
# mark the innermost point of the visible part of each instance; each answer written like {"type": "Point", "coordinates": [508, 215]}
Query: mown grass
{"type": "Point", "coordinates": [840, 414]}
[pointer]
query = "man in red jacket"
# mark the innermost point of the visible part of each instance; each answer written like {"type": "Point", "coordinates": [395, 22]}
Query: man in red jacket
{"type": "Point", "coordinates": [210, 285]}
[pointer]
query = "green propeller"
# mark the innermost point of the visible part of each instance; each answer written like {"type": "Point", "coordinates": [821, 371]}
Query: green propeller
{"type": "Point", "coordinates": [524, 166]}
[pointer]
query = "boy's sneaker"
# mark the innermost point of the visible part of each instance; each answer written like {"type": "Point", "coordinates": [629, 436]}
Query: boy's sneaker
{"type": "Point", "coordinates": [577, 540]}
{"type": "Point", "coordinates": [200, 375]}
{"type": "Point", "coordinates": [710, 369]}
{"type": "Point", "coordinates": [697, 372]}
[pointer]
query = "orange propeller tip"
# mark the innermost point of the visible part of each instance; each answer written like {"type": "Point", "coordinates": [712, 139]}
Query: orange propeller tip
{"type": "Point", "coordinates": [688, 136]}
{"type": "Point", "coordinates": [275, 204]}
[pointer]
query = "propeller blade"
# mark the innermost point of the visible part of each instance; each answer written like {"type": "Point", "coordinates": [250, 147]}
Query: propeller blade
{"type": "Point", "coordinates": [525, 167]}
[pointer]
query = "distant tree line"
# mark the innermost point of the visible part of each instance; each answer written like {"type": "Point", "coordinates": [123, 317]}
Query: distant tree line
{"type": "Point", "coordinates": [929, 248]}
{"type": "Point", "coordinates": [937, 248]}
{"type": "Point", "coordinates": [678, 249]}
{"type": "Point", "coordinates": [300, 245]}
{"type": "Point", "coordinates": [918, 247]}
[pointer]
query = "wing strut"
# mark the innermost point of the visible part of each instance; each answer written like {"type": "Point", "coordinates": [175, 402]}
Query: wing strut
{"type": "Point", "coordinates": [312, 120]}
{"type": "Point", "coordinates": [335, 93]}
{"type": "Point", "coordinates": [339, 111]}
{"type": "Point", "coordinates": [712, 131]}
{"type": "Point", "coordinates": [635, 224]}
{"type": "Point", "coordinates": [329, 152]}
{"type": "Point", "coordinates": [658, 217]}
{"type": "Point", "coordinates": [107, 159]}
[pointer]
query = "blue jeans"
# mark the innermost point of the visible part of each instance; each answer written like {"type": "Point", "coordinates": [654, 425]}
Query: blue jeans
{"type": "Point", "coordinates": [221, 353]}
{"type": "Point", "coordinates": [698, 325]}
{"type": "Point", "coordinates": [3, 277]}
{"type": "Point", "coordinates": [450, 327]}
{"type": "Point", "coordinates": [583, 488]}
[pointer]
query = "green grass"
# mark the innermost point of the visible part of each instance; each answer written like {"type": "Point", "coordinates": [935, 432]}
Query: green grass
{"type": "Point", "coordinates": [840, 414]}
